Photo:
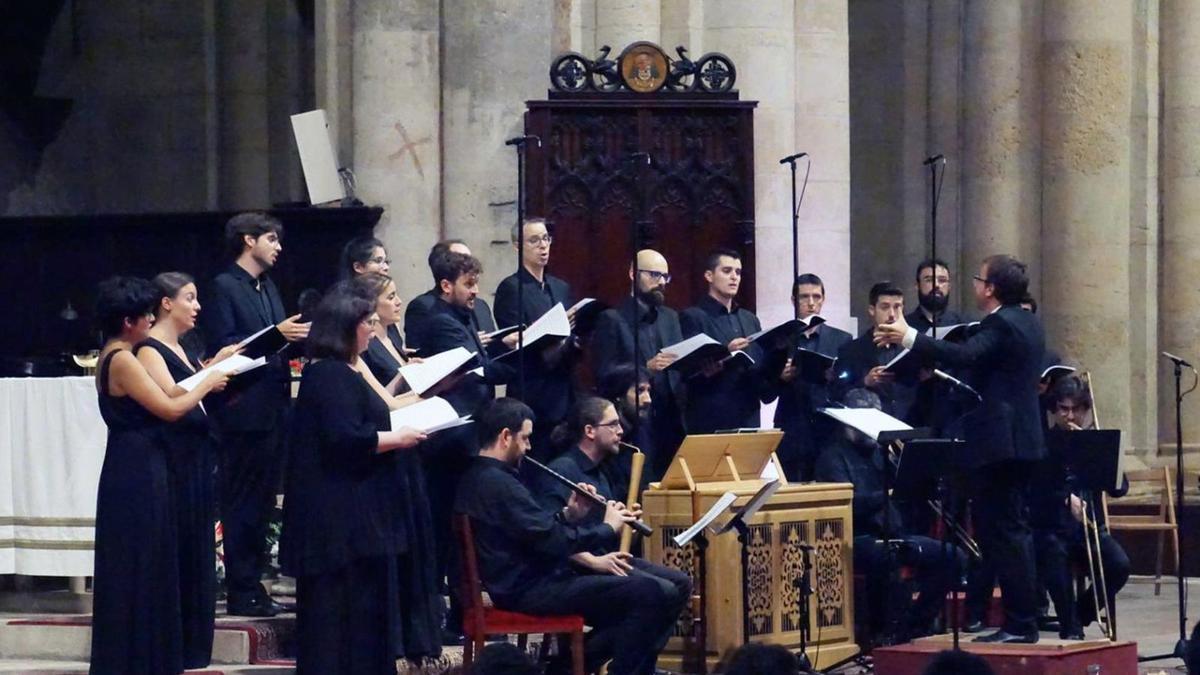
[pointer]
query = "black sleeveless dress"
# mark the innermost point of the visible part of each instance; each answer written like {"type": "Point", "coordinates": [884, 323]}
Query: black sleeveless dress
{"type": "Point", "coordinates": [135, 619]}
{"type": "Point", "coordinates": [191, 462]}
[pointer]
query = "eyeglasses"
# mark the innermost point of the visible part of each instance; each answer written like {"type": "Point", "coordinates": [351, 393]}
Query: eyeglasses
{"type": "Point", "coordinates": [665, 277]}
{"type": "Point", "coordinates": [381, 261]}
{"type": "Point", "coordinates": [981, 279]}
{"type": "Point", "coordinates": [544, 239]}
{"type": "Point", "coordinates": [611, 425]}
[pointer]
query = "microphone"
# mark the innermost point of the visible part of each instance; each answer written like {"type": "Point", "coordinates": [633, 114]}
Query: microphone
{"type": "Point", "coordinates": [792, 158]}
{"type": "Point", "coordinates": [935, 158]}
{"type": "Point", "coordinates": [1178, 361]}
{"type": "Point", "coordinates": [522, 140]}
{"type": "Point", "coordinates": [639, 155]}
{"type": "Point", "coordinates": [954, 381]}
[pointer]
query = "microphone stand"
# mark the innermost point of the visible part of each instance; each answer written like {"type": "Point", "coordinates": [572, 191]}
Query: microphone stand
{"type": "Point", "coordinates": [1181, 646]}
{"type": "Point", "coordinates": [791, 162]}
{"type": "Point", "coordinates": [520, 144]}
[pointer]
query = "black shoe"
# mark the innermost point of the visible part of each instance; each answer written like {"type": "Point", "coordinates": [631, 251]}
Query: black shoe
{"type": "Point", "coordinates": [975, 626]}
{"type": "Point", "coordinates": [1047, 624]}
{"type": "Point", "coordinates": [1004, 637]}
{"type": "Point", "coordinates": [451, 638]}
{"type": "Point", "coordinates": [251, 607]}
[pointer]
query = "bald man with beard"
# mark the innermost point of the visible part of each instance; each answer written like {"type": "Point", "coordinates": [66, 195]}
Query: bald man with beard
{"type": "Point", "coordinates": [658, 327]}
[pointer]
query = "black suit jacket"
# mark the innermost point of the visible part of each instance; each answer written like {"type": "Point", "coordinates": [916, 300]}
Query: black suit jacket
{"type": "Point", "coordinates": [548, 387]}
{"type": "Point", "coordinates": [236, 307]}
{"type": "Point", "coordinates": [796, 414]}
{"type": "Point", "coordinates": [731, 398]}
{"type": "Point", "coordinates": [419, 310]}
{"type": "Point", "coordinates": [1002, 361]}
{"type": "Point", "coordinates": [859, 356]}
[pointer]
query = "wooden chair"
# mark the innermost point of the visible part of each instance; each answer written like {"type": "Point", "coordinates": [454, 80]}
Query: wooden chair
{"type": "Point", "coordinates": [1163, 522]}
{"type": "Point", "coordinates": [481, 619]}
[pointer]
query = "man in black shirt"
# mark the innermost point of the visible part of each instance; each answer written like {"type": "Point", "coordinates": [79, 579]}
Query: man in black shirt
{"type": "Point", "coordinates": [725, 395]}
{"type": "Point", "coordinates": [1004, 433]}
{"type": "Point", "coordinates": [250, 416]}
{"type": "Point", "coordinates": [522, 298]}
{"type": "Point", "coordinates": [853, 457]}
{"type": "Point", "coordinates": [933, 297]}
{"type": "Point", "coordinates": [524, 552]}
{"type": "Point", "coordinates": [658, 327]}
{"type": "Point", "coordinates": [860, 362]}
{"type": "Point", "coordinates": [805, 431]}
{"type": "Point", "coordinates": [417, 311]}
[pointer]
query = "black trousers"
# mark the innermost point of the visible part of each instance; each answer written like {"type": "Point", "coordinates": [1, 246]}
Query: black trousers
{"type": "Point", "coordinates": [345, 619]}
{"type": "Point", "coordinates": [936, 569]}
{"type": "Point", "coordinates": [1006, 539]}
{"type": "Point", "coordinates": [632, 617]}
{"type": "Point", "coordinates": [251, 465]}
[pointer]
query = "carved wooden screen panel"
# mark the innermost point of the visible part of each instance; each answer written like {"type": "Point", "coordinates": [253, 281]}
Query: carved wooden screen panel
{"type": "Point", "coordinates": [697, 193]}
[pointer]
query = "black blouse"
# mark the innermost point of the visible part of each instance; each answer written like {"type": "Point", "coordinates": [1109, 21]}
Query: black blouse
{"type": "Point", "coordinates": [342, 499]}
{"type": "Point", "coordinates": [379, 360]}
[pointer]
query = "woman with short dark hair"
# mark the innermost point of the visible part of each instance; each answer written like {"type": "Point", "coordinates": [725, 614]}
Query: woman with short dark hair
{"type": "Point", "coordinates": [362, 255]}
{"type": "Point", "coordinates": [354, 518]}
{"type": "Point", "coordinates": [191, 460]}
{"type": "Point", "coordinates": [136, 617]}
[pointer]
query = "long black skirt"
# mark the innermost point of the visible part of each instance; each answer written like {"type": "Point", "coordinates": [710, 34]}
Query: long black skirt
{"type": "Point", "coordinates": [192, 464]}
{"type": "Point", "coordinates": [345, 619]}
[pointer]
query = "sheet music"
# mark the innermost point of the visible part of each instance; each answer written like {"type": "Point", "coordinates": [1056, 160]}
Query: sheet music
{"type": "Point", "coordinates": [250, 339]}
{"type": "Point", "coordinates": [577, 306]}
{"type": "Point", "coordinates": [432, 414]}
{"type": "Point", "coordinates": [717, 509]}
{"type": "Point", "coordinates": [553, 323]}
{"type": "Point", "coordinates": [234, 365]}
{"type": "Point", "coordinates": [747, 512]}
{"type": "Point", "coordinates": [869, 421]}
{"type": "Point", "coordinates": [421, 376]}
{"type": "Point", "coordinates": [682, 349]}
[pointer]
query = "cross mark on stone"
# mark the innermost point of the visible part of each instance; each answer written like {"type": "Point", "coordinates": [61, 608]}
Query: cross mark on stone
{"type": "Point", "coordinates": [410, 146]}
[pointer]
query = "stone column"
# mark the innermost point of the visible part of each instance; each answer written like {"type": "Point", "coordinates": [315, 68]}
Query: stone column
{"type": "Point", "coordinates": [821, 120]}
{"type": "Point", "coordinates": [243, 129]}
{"type": "Point", "coordinates": [1001, 161]}
{"type": "Point", "coordinates": [1086, 56]}
{"type": "Point", "coordinates": [1179, 304]}
{"type": "Point", "coordinates": [682, 24]}
{"type": "Point", "coordinates": [395, 118]}
{"type": "Point", "coordinates": [622, 22]}
{"type": "Point", "coordinates": [485, 83]}
{"type": "Point", "coordinates": [760, 38]}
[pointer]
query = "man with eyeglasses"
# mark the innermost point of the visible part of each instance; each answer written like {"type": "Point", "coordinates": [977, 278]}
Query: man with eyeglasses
{"type": "Point", "coordinates": [658, 327]}
{"type": "Point", "coordinates": [595, 429]}
{"type": "Point", "coordinates": [725, 394]}
{"type": "Point", "coordinates": [522, 298]}
{"type": "Point", "coordinates": [933, 297]}
{"type": "Point", "coordinates": [1002, 361]}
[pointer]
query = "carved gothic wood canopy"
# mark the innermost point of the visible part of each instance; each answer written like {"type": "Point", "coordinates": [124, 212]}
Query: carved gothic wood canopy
{"type": "Point", "coordinates": [643, 68]}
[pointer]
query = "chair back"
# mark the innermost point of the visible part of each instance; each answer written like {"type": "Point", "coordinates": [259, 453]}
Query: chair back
{"type": "Point", "coordinates": [470, 588]}
{"type": "Point", "coordinates": [1160, 479]}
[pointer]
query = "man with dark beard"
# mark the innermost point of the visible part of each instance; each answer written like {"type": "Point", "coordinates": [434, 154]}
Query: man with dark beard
{"type": "Point", "coordinates": [658, 327]}
{"type": "Point", "coordinates": [933, 297]}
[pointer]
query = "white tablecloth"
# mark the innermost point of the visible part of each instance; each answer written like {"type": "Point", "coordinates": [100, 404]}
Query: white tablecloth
{"type": "Point", "coordinates": [51, 449]}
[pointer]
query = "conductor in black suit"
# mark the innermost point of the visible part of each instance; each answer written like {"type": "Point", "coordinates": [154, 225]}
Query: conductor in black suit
{"type": "Point", "coordinates": [417, 312]}
{"type": "Point", "coordinates": [1004, 433]}
{"type": "Point", "coordinates": [658, 327]}
{"type": "Point", "coordinates": [250, 416]}
{"type": "Point", "coordinates": [522, 298]}
{"type": "Point", "coordinates": [805, 430]}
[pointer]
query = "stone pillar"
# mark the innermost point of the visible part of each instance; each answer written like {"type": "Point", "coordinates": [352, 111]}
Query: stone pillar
{"type": "Point", "coordinates": [485, 83]}
{"type": "Point", "coordinates": [1179, 305]}
{"type": "Point", "coordinates": [1001, 160]}
{"type": "Point", "coordinates": [243, 129]}
{"type": "Point", "coordinates": [1086, 57]}
{"type": "Point", "coordinates": [760, 38]}
{"type": "Point", "coordinates": [821, 120]}
{"type": "Point", "coordinates": [944, 134]}
{"type": "Point", "coordinates": [682, 24]}
{"type": "Point", "coordinates": [619, 23]}
{"type": "Point", "coordinates": [395, 121]}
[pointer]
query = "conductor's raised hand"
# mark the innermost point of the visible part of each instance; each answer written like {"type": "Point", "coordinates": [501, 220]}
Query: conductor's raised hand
{"type": "Point", "coordinates": [292, 329]}
{"type": "Point", "coordinates": [891, 333]}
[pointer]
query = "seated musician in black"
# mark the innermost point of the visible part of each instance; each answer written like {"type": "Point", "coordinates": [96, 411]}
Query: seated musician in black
{"type": "Point", "coordinates": [524, 552]}
{"type": "Point", "coordinates": [854, 458]}
{"type": "Point", "coordinates": [593, 428]}
{"type": "Point", "coordinates": [1072, 410]}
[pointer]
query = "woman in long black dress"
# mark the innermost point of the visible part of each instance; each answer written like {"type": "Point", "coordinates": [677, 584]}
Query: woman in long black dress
{"type": "Point", "coordinates": [136, 618]}
{"type": "Point", "coordinates": [347, 503]}
{"type": "Point", "coordinates": [191, 461]}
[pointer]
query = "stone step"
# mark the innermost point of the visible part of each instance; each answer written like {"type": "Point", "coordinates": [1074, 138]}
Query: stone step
{"type": "Point", "coordinates": [237, 640]}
